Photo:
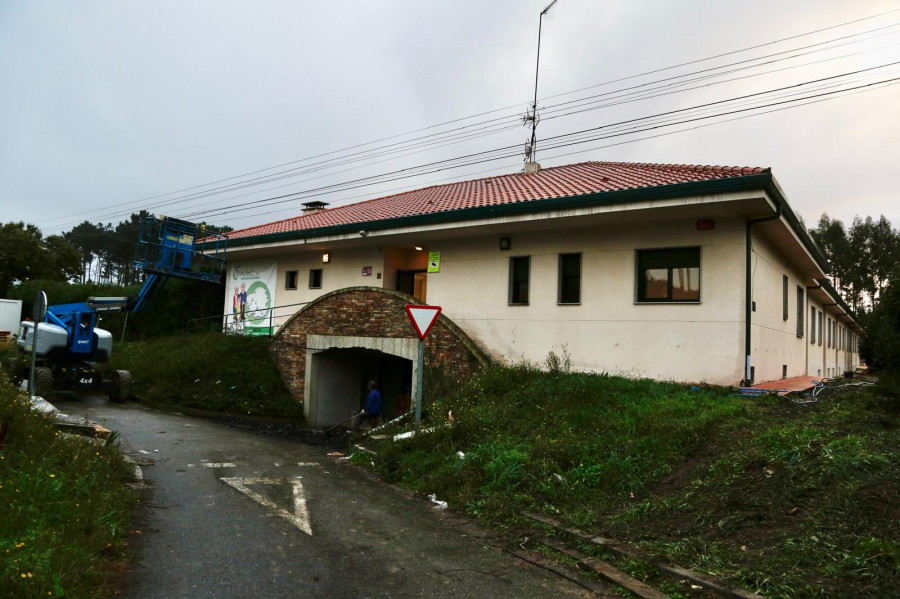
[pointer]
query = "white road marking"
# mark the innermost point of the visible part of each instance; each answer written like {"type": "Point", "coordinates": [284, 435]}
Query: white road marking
{"type": "Point", "coordinates": [300, 517]}
{"type": "Point", "coordinates": [218, 464]}
{"type": "Point", "coordinates": [308, 464]}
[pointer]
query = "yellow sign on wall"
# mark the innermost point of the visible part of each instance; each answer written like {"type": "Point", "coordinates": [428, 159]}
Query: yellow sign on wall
{"type": "Point", "coordinates": [434, 262]}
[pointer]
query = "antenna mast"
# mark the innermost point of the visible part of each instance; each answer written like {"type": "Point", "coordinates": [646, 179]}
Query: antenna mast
{"type": "Point", "coordinates": [531, 165]}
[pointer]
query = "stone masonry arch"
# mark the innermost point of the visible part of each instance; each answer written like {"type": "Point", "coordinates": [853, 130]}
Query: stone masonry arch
{"type": "Point", "coordinates": [314, 349]}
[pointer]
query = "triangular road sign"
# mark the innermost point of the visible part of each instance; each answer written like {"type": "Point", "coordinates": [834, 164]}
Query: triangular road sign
{"type": "Point", "coordinates": [423, 318]}
{"type": "Point", "coordinates": [299, 517]}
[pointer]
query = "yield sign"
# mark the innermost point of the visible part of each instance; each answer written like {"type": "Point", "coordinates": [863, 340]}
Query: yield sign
{"type": "Point", "coordinates": [423, 318]}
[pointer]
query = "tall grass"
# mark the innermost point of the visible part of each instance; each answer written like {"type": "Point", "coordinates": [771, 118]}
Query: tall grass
{"type": "Point", "coordinates": [549, 440]}
{"type": "Point", "coordinates": [208, 371]}
{"type": "Point", "coordinates": [65, 508]}
{"type": "Point", "coordinates": [793, 501]}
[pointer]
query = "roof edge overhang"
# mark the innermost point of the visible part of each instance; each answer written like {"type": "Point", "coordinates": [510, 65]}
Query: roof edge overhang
{"type": "Point", "coordinates": [839, 304]}
{"type": "Point", "coordinates": [761, 181]}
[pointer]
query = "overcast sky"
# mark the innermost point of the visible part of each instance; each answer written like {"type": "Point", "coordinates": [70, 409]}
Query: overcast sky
{"type": "Point", "coordinates": [106, 105]}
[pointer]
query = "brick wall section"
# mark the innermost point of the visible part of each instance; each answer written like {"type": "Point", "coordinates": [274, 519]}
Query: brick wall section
{"type": "Point", "coordinates": [369, 312]}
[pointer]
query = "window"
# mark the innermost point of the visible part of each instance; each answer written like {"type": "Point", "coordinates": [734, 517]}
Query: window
{"type": "Point", "coordinates": [519, 274]}
{"type": "Point", "coordinates": [812, 325]}
{"type": "Point", "coordinates": [290, 279]}
{"type": "Point", "coordinates": [669, 275]}
{"type": "Point", "coordinates": [784, 297]}
{"type": "Point", "coordinates": [830, 334]}
{"type": "Point", "coordinates": [315, 278]}
{"type": "Point", "coordinates": [569, 279]}
{"type": "Point", "coordinates": [800, 311]}
{"type": "Point", "coordinates": [821, 328]}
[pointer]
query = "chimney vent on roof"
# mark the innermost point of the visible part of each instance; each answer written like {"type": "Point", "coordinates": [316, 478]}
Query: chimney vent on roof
{"type": "Point", "coordinates": [532, 167]}
{"type": "Point", "coordinates": [310, 207]}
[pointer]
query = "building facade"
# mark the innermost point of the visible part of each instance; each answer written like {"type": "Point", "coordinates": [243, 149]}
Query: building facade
{"type": "Point", "coordinates": [685, 273]}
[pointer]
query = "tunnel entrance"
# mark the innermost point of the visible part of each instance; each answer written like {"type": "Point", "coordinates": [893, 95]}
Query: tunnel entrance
{"type": "Point", "coordinates": [337, 382]}
{"type": "Point", "coordinates": [330, 349]}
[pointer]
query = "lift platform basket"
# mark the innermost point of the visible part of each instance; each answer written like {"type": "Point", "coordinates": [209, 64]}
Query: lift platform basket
{"type": "Point", "coordinates": [172, 247]}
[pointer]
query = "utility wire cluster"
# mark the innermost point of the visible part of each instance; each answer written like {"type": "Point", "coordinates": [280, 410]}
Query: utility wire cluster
{"type": "Point", "coordinates": [310, 174]}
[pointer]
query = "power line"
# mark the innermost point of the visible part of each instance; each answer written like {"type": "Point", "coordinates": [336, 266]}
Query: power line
{"type": "Point", "coordinates": [403, 174]}
{"type": "Point", "coordinates": [461, 119]}
{"type": "Point", "coordinates": [783, 105]}
{"type": "Point", "coordinates": [457, 139]}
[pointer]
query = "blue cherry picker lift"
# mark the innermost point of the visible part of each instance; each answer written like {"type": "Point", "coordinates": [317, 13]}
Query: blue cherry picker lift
{"type": "Point", "coordinates": [69, 342]}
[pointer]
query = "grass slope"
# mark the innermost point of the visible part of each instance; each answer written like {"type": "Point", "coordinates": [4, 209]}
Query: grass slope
{"type": "Point", "coordinates": [64, 508]}
{"type": "Point", "coordinates": [209, 372]}
{"type": "Point", "coordinates": [779, 498]}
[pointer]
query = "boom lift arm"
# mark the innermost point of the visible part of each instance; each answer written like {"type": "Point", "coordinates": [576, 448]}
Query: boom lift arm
{"type": "Point", "coordinates": [167, 247]}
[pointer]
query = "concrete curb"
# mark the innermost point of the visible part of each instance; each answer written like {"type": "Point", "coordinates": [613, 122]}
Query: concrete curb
{"type": "Point", "coordinates": [137, 472]}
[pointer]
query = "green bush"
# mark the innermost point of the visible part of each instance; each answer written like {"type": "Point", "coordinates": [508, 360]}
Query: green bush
{"type": "Point", "coordinates": [66, 507]}
{"type": "Point", "coordinates": [208, 371]}
{"type": "Point", "coordinates": [881, 345]}
{"type": "Point", "coordinates": [172, 309]}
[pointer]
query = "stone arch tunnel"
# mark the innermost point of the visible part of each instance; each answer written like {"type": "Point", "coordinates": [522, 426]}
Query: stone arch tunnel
{"type": "Point", "coordinates": [329, 349]}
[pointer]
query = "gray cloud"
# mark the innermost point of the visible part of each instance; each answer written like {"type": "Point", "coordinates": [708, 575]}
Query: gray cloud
{"type": "Point", "coordinates": [106, 103]}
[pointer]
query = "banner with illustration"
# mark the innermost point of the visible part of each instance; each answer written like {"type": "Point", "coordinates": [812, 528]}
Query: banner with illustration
{"type": "Point", "coordinates": [251, 287]}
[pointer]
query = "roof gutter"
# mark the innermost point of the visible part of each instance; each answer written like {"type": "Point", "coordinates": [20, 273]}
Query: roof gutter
{"type": "Point", "coordinates": [748, 295]}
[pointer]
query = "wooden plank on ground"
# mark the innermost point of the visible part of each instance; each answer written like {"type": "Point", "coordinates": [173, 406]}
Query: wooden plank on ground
{"type": "Point", "coordinates": [535, 558]}
{"type": "Point", "coordinates": [603, 542]}
{"type": "Point", "coordinates": [610, 572]}
{"type": "Point", "coordinates": [89, 429]}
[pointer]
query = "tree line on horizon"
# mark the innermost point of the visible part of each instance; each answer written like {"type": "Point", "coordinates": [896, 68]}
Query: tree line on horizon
{"type": "Point", "coordinates": [100, 253]}
{"type": "Point", "coordinates": [863, 258]}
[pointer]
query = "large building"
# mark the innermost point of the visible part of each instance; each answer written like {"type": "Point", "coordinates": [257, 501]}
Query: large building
{"type": "Point", "coordinates": [679, 272]}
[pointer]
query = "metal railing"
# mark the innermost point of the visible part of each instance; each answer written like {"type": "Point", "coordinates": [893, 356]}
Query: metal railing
{"type": "Point", "coordinates": [256, 323]}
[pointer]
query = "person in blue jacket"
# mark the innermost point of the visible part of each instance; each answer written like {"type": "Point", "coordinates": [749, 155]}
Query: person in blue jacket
{"type": "Point", "coordinates": [372, 409]}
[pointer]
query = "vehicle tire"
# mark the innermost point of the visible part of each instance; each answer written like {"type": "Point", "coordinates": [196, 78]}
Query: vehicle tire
{"type": "Point", "coordinates": [120, 386]}
{"type": "Point", "coordinates": [15, 370]}
{"type": "Point", "coordinates": [43, 382]}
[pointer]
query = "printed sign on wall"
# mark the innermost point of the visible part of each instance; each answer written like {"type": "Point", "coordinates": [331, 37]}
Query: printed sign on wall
{"type": "Point", "coordinates": [367, 271]}
{"type": "Point", "coordinates": [434, 262]}
{"type": "Point", "coordinates": [252, 290]}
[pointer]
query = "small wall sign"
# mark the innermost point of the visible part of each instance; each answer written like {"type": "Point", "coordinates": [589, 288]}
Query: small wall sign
{"type": "Point", "coordinates": [434, 262]}
{"type": "Point", "coordinates": [367, 271]}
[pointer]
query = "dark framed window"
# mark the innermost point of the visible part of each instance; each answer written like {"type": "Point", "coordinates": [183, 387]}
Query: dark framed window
{"type": "Point", "coordinates": [290, 279]}
{"type": "Point", "coordinates": [812, 325]}
{"type": "Point", "coordinates": [801, 310]}
{"type": "Point", "coordinates": [784, 297]}
{"type": "Point", "coordinates": [569, 279]}
{"type": "Point", "coordinates": [315, 278]}
{"type": "Point", "coordinates": [821, 329]}
{"type": "Point", "coordinates": [671, 275]}
{"type": "Point", "coordinates": [830, 334]}
{"type": "Point", "coordinates": [519, 276]}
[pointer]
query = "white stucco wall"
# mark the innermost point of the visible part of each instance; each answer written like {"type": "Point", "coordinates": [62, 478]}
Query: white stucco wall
{"type": "Point", "coordinates": [774, 340]}
{"type": "Point", "coordinates": [815, 350]}
{"type": "Point", "coordinates": [344, 269]}
{"type": "Point", "coordinates": [608, 331]}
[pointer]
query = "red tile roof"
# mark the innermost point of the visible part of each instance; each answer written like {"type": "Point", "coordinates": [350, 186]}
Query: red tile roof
{"type": "Point", "coordinates": [555, 182]}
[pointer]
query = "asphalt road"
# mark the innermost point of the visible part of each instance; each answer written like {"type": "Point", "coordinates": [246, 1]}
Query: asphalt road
{"type": "Point", "coordinates": [236, 514]}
